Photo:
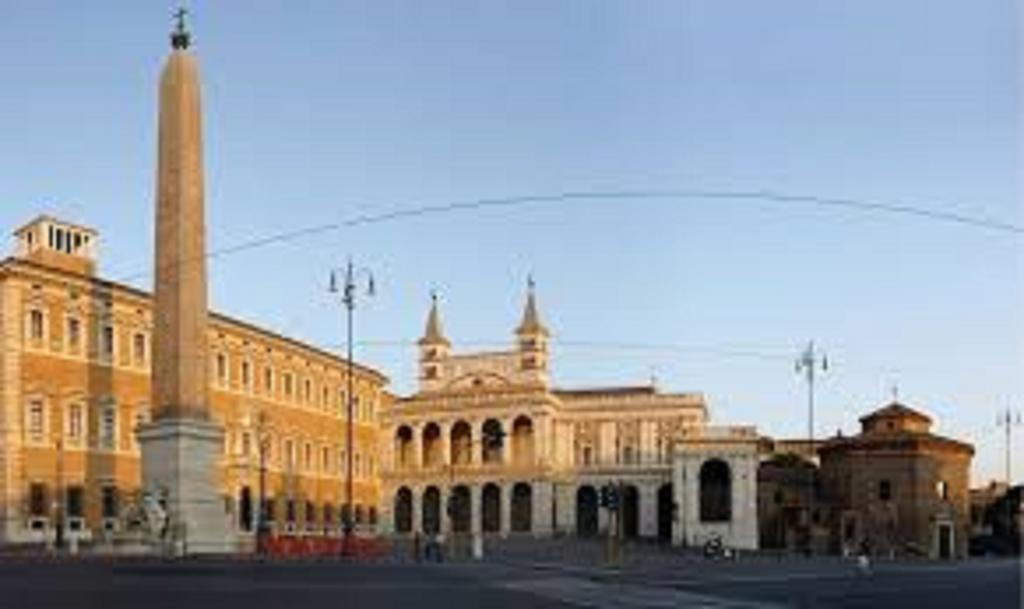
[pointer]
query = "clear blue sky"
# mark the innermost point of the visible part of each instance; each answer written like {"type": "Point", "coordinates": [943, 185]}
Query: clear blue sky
{"type": "Point", "coordinates": [317, 111]}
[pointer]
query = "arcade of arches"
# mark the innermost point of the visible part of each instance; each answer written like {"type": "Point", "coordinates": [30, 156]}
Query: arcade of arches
{"type": "Point", "coordinates": [487, 446]}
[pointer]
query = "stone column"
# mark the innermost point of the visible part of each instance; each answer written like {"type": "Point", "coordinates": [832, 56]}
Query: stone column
{"type": "Point", "coordinates": [542, 496]}
{"type": "Point", "coordinates": [506, 506]}
{"type": "Point", "coordinates": [508, 454]}
{"type": "Point", "coordinates": [385, 506]}
{"type": "Point", "coordinates": [417, 446]}
{"type": "Point", "coordinates": [477, 445]}
{"type": "Point", "coordinates": [417, 509]}
{"type": "Point", "coordinates": [446, 443]}
{"type": "Point", "coordinates": [446, 521]}
{"type": "Point", "coordinates": [565, 495]}
{"type": "Point", "coordinates": [475, 509]}
{"type": "Point", "coordinates": [680, 496]}
{"type": "Point", "coordinates": [648, 496]}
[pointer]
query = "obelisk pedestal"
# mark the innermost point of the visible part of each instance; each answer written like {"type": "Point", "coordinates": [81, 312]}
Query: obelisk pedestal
{"type": "Point", "coordinates": [182, 445]}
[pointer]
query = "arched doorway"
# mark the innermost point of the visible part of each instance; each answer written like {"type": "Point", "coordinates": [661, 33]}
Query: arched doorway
{"type": "Point", "coordinates": [431, 510]}
{"type": "Point", "coordinates": [715, 491]}
{"type": "Point", "coordinates": [460, 508]}
{"type": "Point", "coordinates": [403, 447]}
{"type": "Point", "coordinates": [245, 521]}
{"type": "Point", "coordinates": [403, 510]}
{"type": "Point", "coordinates": [431, 445]}
{"type": "Point", "coordinates": [522, 441]}
{"type": "Point", "coordinates": [666, 512]}
{"type": "Point", "coordinates": [492, 448]}
{"type": "Point", "coordinates": [630, 512]}
{"type": "Point", "coordinates": [461, 443]}
{"type": "Point", "coordinates": [586, 512]}
{"type": "Point", "coordinates": [522, 508]}
{"type": "Point", "coordinates": [490, 508]}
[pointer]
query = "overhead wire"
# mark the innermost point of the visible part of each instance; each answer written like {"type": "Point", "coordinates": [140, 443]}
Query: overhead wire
{"type": "Point", "coordinates": [515, 201]}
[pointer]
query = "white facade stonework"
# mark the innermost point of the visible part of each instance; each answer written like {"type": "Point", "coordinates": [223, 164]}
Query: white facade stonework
{"type": "Point", "coordinates": [558, 448]}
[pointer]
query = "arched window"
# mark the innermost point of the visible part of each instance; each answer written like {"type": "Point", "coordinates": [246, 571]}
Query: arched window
{"type": "Point", "coordinates": [715, 491]}
{"type": "Point", "coordinates": [431, 445]}
{"type": "Point", "coordinates": [403, 447]}
{"type": "Point", "coordinates": [522, 508]}
{"type": "Point", "coordinates": [403, 510]}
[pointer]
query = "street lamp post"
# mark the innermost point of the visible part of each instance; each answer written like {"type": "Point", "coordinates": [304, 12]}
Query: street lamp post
{"type": "Point", "coordinates": [59, 497]}
{"type": "Point", "coordinates": [262, 445]}
{"type": "Point", "coordinates": [808, 364]}
{"type": "Point", "coordinates": [348, 299]}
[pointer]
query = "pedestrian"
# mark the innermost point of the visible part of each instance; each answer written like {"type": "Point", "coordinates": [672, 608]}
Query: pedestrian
{"type": "Point", "coordinates": [863, 559]}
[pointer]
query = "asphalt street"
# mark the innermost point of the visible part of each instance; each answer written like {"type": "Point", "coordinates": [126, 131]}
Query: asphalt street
{"type": "Point", "coordinates": [155, 585]}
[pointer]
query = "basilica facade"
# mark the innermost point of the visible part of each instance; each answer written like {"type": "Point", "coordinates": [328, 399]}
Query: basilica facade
{"type": "Point", "coordinates": [487, 446]}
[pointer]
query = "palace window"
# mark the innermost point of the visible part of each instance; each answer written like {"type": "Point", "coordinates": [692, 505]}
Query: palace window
{"type": "Point", "coordinates": [107, 342]}
{"type": "Point", "coordinates": [108, 427]}
{"type": "Point", "coordinates": [75, 501]}
{"type": "Point", "coordinates": [139, 349]}
{"type": "Point", "coordinates": [942, 490]}
{"type": "Point", "coordinates": [308, 391]}
{"type": "Point", "coordinates": [222, 369]}
{"type": "Point", "coordinates": [325, 397]}
{"type": "Point", "coordinates": [74, 335]}
{"type": "Point", "coordinates": [308, 456]}
{"type": "Point", "coordinates": [109, 501]}
{"type": "Point", "coordinates": [37, 499]}
{"type": "Point", "coordinates": [246, 444]}
{"type": "Point", "coordinates": [288, 390]}
{"type": "Point", "coordinates": [884, 490]}
{"type": "Point", "coordinates": [268, 380]}
{"type": "Point", "coordinates": [357, 466]}
{"type": "Point", "coordinates": [36, 420]}
{"type": "Point", "coordinates": [289, 452]}
{"type": "Point", "coordinates": [76, 423]}
{"type": "Point", "coordinates": [246, 374]}
{"type": "Point", "coordinates": [35, 326]}
{"type": "Point", "coordinates": [325, 459]}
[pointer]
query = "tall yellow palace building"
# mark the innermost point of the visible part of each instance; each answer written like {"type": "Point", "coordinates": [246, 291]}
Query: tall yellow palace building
{"type": "Point", "coordinates": [75, 370]}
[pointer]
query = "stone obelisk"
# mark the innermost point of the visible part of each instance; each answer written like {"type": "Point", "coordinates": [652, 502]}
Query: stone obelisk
{"type": "Point", "coordinates": [181, 445]}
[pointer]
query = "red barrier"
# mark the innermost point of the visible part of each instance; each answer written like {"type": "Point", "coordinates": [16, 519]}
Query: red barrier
{"type": "Point", "coordinates": [290, 546]}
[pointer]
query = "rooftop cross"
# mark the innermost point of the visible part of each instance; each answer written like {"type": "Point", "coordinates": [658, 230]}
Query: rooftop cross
{"type": "Point", "coordinates": [180, 35]}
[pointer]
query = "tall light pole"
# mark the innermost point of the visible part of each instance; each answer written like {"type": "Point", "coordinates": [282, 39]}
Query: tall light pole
{"type": "Point", "coordinates": [59, 496]}
{"type": "Point", "coordinates": [1008, 419]}
{"type": "Point", "coordinates": [262, 445]}
{"type": "Point", "coordinates": [810, 362]}
{"type": "Point", "coordinates": [348, 299]}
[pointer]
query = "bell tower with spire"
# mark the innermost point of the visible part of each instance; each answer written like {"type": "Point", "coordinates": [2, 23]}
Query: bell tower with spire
{"type": "Point", "coordinates": [181, 447]}
{"type": "Point", "coordinates": [434, 347]}
{"type": "Point", "coordinates": [532, 337]}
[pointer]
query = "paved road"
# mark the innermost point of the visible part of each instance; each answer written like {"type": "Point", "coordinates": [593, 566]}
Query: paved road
{"type": "Point", "coordinates": [830, 585]}
{"type": "Point", "coordinates": [494, 586]}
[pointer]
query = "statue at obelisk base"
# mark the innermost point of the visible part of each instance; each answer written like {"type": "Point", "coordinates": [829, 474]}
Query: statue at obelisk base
{"type": "Point", "coordinates": [181, 446]}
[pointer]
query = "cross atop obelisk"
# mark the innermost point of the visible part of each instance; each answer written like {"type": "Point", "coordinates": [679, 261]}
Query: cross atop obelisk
{"type": "Point", "coordinates": [180, 38]}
